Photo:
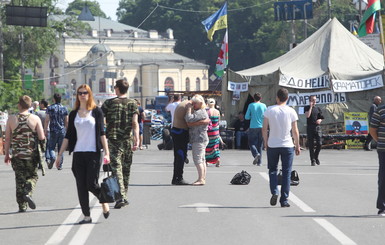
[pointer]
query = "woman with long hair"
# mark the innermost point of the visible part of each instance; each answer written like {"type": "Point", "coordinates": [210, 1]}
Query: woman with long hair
{"type": "Point", "coordinates": [85, 137]}
{"type": "Point", "coordinates": [212, 149]}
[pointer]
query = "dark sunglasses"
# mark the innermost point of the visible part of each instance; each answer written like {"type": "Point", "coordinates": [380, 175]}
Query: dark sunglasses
{"type": "Point", "coordinates": [81, 93]}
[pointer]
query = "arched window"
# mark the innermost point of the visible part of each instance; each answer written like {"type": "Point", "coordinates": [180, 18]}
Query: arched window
{"type": "Point", "coordinates": [90, 83]}
{"type": "Point", "coordinates": [187, 84]}
{"type": "Point", "coordinates": [102, 85]}
{"type": "Point", "coordinates": [198, 84]}
{"type": "Point", "coordinates": [136, 85]}
{"type": "Point", "coordinates": [169, 84]}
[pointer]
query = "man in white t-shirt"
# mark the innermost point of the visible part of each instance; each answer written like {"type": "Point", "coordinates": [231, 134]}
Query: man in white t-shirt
{"type": "Point", "coordinates": [172, 105]}
{"type": "Point", "coordinates": [280, 120]}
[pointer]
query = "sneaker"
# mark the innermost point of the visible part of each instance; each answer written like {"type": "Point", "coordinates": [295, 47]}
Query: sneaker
{"type": "Point", "coordinates": [257, 159]}
{"type": "Point", "coordinates": [381, 212]}
{"type": "Point", "coordinates": [30, 202]}
{"type": "Point", "coordinates": [50, 164]}
{"type": "Point", "coordinates": [273, 200]}
{"type": "Point", "coordinates": [285, 205]}
{"type": "Point", "coordinates": [313, 162]}
{"type": "Point", "coordinates": [121, 203]}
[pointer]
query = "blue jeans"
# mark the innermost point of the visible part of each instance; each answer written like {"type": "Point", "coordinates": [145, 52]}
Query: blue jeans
{"type": "Point", "coordinates": [287, 155]}
{"type": "Point", "coordinates": [381, 181]}
{"type": "Point", "coordinates": [238, 138]}
{"type": "Point", "coordinates": [255, 142]}
{"type": "Point", "coordinates": [55, 138]}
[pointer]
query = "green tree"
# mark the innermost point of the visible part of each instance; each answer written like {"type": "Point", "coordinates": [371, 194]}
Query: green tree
{"type": "Point", "coordinates": [75, 8]}
{"type": "Point", "coordinates": [39, 44]}
{"type": "Point", "coordinates": [254, 36]}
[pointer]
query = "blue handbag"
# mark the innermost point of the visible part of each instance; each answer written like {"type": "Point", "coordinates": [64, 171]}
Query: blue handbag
{"type": "Point", "coordinates": [110, 189]}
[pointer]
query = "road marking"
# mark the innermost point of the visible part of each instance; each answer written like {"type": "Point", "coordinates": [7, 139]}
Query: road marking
{"type": "Point", "coordinates": [84, 231]}
{"type": "Point", "coordinates": [306, 208]}
{"type": "Point", "coordinates": [329, 227]}
{"type": "Point", "coordinates": [334, 231]}
{"type": "Point", "coordinates": [200, 207]}
{"type": "Point", "coordinates": [63, 230]}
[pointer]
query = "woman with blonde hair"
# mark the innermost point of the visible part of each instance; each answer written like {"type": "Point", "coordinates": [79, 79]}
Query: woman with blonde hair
{"type": "Point", "coordinates": [85, 137]}
{"type": "Point", "coordinates": [198, 135]}
{"type": "Point", "coordinates": [212, 149]}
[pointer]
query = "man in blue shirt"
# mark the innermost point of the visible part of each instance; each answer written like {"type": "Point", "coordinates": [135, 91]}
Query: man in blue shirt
{"type": "Point", "coordinates": [255, 113]}
{"type": "Point", "coordinates": [57, 119]}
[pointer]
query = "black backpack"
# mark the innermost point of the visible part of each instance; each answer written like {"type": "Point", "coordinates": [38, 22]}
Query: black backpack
{"type": "Point", "coordinates": [294, 178]}
{"type": "Point", "coordinates": [242, 178]}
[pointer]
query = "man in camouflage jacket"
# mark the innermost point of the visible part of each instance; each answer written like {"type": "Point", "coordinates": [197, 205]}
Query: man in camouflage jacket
{"type": "Point", "coordinates": [121, 118]}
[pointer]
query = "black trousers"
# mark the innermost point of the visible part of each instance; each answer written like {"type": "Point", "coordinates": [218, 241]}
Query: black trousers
{"type": "Point", "coordinates": [367, 141]}
{"type": "Point", "coordinates": [86, 168]}
{"type": "Point", "coordinates": [314, 133]}
{"type": "Point", "coordinates": [180, 140]}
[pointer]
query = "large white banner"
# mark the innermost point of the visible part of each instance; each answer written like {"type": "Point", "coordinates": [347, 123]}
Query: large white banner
{"type": "Point", "coordinates": [104, 96]}
{"type": "Point", "coordinates": [301, 83]}
{"type": "Point", "coordinates": [324, 97]}
{"type": "Point", "coordinates": [357, 85]}
{"type": "Point", "coordinates": [239, 87]}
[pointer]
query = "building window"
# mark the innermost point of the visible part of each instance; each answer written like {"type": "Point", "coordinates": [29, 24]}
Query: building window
{"type": "Point", "coordinates": [90, 83]}
{"type": "Point", "coordinates": [169, 84]}
{"type": "Point", "coordinates": [187, 84]}
{"type": "Point", "coordinates": [198, 84]}
{"type": "Point", "coordinates": [136, 85]}
{"type": "Point", "coordinates": [102, 85]}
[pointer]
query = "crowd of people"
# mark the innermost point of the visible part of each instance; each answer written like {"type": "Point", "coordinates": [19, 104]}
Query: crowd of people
{"type": "Point", "coordinates": [110, 133]}
{"type": "Point", "coordinates": [107, 134]}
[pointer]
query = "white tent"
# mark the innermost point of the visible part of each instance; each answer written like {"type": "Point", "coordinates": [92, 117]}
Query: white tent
{"type": "Point", "coordinates": [333, 51]}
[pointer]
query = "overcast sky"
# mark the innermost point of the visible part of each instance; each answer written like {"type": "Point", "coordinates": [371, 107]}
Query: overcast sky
{"type": "Point", "coordinates": [109, 7]}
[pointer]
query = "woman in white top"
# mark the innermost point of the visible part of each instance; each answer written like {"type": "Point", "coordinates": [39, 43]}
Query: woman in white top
{"type": "Point", "coordinates": [85, 137]}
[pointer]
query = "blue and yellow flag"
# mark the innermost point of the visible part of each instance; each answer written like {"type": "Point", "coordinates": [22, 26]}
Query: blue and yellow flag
{"type": "Point", "coordinates": [216, 21]}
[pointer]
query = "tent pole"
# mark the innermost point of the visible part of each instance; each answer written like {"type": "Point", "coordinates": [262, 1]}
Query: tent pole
{"type": "Point", "coordinates": [381, 34]}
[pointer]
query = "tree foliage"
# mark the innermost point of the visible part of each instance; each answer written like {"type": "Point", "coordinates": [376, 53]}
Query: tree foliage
{"type": "Point", "coordinates": [254, 36]}
{"type": "Point", "coordinates": [75, 8]}
{"type": "Point", "coordinates": [39, 44]}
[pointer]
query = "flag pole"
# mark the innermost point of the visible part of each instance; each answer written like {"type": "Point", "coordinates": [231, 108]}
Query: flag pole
{"type": "Point", "coordinates": [381, 34]}
{"type": "Point", "coordinates": [227, 65]}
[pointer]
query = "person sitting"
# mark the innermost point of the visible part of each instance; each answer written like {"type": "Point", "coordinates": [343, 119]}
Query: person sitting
{"type": "Point", "coordinates": [241, 127]}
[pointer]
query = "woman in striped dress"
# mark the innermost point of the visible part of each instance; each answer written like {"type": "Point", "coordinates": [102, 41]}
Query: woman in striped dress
{"type": "Point", "coordinates": [212, 149]}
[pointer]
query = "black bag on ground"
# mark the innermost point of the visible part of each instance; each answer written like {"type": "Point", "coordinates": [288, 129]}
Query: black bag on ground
{"type": "Point", "coordinates": [294, 178]}
{"type": "Point", "coordinates": [242, 178]}
{"type": "Point", "coordinates": [110, 189]}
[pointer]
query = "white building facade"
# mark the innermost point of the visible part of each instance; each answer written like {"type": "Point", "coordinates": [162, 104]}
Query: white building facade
{"type": "Point", "coordinates": [112, 51]}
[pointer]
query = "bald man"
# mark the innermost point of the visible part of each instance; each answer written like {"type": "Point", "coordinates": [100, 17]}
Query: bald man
{"type": "Point", "coordinates": [376, 101]}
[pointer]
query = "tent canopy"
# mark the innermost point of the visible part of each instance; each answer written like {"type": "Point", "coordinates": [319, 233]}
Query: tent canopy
{"type": "Point", "coordinates": [331, 49]}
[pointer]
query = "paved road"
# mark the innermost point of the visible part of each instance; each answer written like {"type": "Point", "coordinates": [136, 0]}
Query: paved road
{"type": "Point", "coordinates": [334, 204]}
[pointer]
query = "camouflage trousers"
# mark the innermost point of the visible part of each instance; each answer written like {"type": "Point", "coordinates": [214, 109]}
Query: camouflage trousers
{"type": "Point", "coordinates": [26, 178]}
{"type": "Point", "coordinates": [121, 160]}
